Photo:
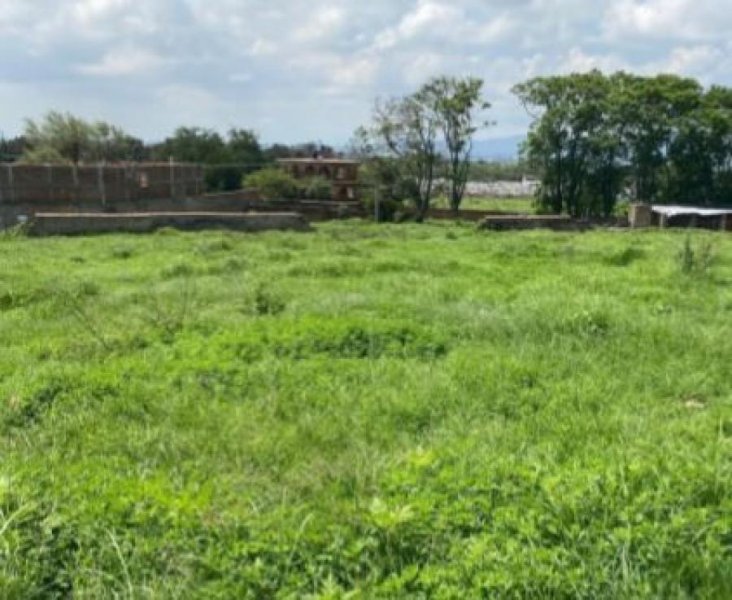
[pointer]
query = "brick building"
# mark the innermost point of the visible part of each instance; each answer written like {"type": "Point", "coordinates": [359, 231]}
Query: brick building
{"type": "Point", "coordinates": [342, 174]}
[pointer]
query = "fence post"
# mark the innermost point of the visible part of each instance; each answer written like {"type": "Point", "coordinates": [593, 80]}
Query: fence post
{"type": "Point", "coordinates": [49, 182]}
{"type": "Point", "coordinates": [75, 177]}
{"type": "Point", "coordinates": [100, 181]}
{"type": "Point", "coordinates": [172, 179]}
{"type": "Point", "coordinates": [11, 182]}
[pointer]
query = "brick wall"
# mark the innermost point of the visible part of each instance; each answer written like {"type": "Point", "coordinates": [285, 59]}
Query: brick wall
{"type": "Point", "coordinates": [63, 184]}
{"type": "Point", "coordinates": [28, 189]}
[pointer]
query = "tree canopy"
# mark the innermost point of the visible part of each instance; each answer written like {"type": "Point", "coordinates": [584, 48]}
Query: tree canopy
{"type": "Point", "coordinates": [227, 159]}
{"type": "Point", "coordinates": [412, 139]}
{"type": "Point", "coordinates": [62, 137]}
{"type": "Point", "coordinates": [597, 137]}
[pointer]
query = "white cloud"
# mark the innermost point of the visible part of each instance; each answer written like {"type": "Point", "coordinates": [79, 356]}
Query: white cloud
{"type": "Point", "coordinates": [300, 68]}
{"type": "Point", "coordinates": [498, 29]}
{"type": "Point", "coordinates": [693, 59]}
{"type": "Point", "coordinates": [427, 17]}
{"type": "Point", "coordinates": [262, 47]}
{"type": "Point", "coordinates": [324, 23]}
{"type": "Point", "coordinates": [190, 104]}
{"type": "Point", "coordinates": [124, 61]}
{"type": "Point", "coordinates": [664, 19]}
{"type": "Point", "coordinates": [579, 61]}
{"type": "Point", "coordinates": [90, 12]}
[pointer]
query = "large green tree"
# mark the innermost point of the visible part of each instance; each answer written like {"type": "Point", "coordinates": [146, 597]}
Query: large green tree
{"type": "Point", "coordinates": [227, 159]}
{"type": "Point", "coordinates": [412, 138]}
{"type": "Point", "coordinates": [404, 135]}
{"type": "Point", "coordinates": [571, 138]}
{"type": "Point", "coordinates": [661, 139]}
{"type": "Point", "coordinates": [65, 138]}
{"type": "Point", "coordinates": [458, 105]}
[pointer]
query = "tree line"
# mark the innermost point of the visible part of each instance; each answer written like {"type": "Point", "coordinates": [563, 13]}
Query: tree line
{"type": "Point", "coordinates": [62, 138]}
{"type": "Point", "coordinates": [599, 138]}
{"type": "Point", "coordinates": [594, 140]}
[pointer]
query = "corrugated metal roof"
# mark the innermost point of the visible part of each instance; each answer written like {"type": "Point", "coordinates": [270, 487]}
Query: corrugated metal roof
{"type": "Point", "coordinates": [676, 210]}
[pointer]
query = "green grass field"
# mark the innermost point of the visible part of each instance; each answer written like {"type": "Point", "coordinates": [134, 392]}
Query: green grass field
{"type": "Point", "coordinates": [401, 411]}
{"type": "Point", "coordinates": [507, 205]}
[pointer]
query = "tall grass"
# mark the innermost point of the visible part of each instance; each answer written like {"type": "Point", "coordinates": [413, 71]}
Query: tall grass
{"type": "Point", "coordinates": [367, 411]}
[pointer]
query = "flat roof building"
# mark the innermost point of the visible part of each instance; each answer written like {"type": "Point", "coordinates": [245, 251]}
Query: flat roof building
{"type": "Point", "coordinates": [342, 174]}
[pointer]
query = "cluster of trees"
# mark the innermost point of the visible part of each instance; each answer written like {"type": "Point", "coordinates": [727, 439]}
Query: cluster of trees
{"type": "Point", "coordinates": [416, 139]}
{"type": "Point", "coordinates": [228, 159]}
{"type": "Point", "coordinates": [598, 138]}
{"type": "Point", "coordinates": [64, 138]}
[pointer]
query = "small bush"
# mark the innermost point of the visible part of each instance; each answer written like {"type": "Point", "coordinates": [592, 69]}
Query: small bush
{"type": "Point", "coordinates": [272, 184]}
{"type": "Point", "coordinates": [625, 257]}
{"type": "Point", "coordinates": [622, 208]}
{"type": "Point", "coordinates": [122, 252]}
{"type": "Point", "coordinates": [180, 269]}
{"type": "Point", "coordinates": [696, 261]}
{"type": "Point", "coordinates": [214, 246]}
{"type": "Point", "coordinates": [39, 549]}
{"type": "Point", "coordinates": [388, 210]}
{"type": "Point", "coordinates": [267, 302]}
{"type": "Point", "coordinates": [317, 188]}
{"type": "Point", "coordinates": [14, 232]}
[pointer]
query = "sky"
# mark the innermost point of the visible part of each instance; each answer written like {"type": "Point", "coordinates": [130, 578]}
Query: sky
{"type": "Point", "coordinates": [299, 70]}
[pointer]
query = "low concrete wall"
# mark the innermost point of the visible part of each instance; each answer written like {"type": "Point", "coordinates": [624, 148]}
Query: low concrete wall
{"type": "Point", "coordinates": [44, 224]}
{"type": "Point", "coordinates": [553, 222]}
{"type": "Point", "coordinates": [515, 222]}
{"type": "Point", "coordinates": [314, 210]}
{"type": "Point", "coordinates": [236, 202]}
{"type": "Point", "coordinates": [465, 215]}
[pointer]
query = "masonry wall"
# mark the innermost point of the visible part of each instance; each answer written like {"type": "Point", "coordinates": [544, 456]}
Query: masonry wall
{"type": "Point", "coordinates": [28, 189]}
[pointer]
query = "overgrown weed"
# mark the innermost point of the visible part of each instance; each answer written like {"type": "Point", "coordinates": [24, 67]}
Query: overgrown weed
{"type": "Point", "coordinates": [696, 259]}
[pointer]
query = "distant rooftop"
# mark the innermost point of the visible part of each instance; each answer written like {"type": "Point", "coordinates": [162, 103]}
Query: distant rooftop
{"type": "Point", "coordinates": [675, 210]}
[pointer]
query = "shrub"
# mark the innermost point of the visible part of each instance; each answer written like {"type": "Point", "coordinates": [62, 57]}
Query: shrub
{"type": "Point", "coordinates": [317, 188]}
{"type": "Point", "coordinates": [388, 209]}
{"type": "Point", "coordinates": [223, 178]}
{"type": "Point", "coordinates": [697, 260]}
{"type": "Point", "coordinates": [272, 184]}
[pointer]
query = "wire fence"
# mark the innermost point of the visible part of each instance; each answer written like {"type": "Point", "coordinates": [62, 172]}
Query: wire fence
{"type": "Point", "coordinates": [68, 184]}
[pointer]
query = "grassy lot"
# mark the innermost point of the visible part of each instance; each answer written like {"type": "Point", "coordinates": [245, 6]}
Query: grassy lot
{"type": "Point", "coordinates": [393, 411]}
{"type": "Point", "coordinates": [507, 205]}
